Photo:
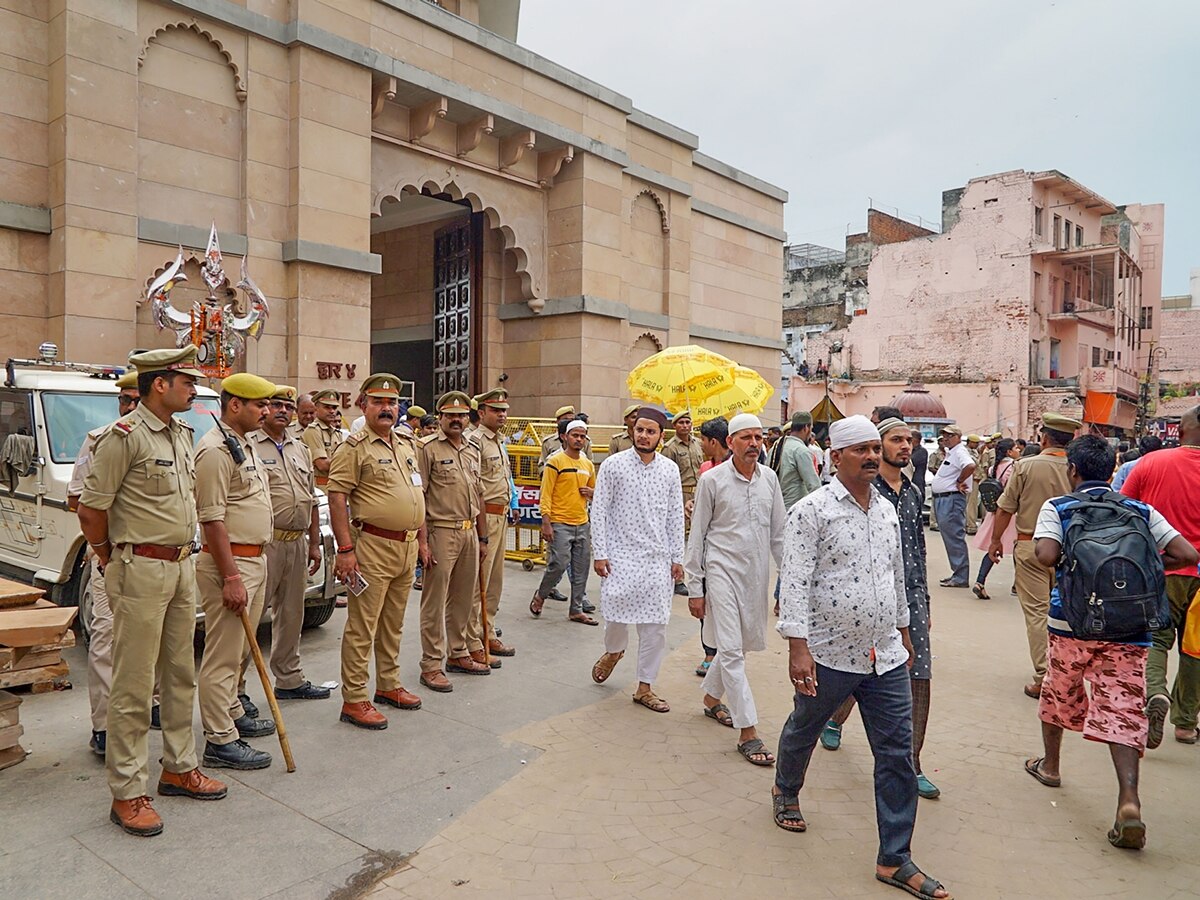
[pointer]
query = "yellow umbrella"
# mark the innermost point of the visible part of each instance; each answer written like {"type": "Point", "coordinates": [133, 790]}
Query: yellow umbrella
{"type": "Point", "coordinates": [748, 392]}
{"type": "Point", "coordinates": [677, 377]}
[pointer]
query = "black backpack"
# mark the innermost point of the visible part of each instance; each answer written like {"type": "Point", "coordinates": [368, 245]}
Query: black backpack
{"type": "Point", "coordinates": [1111, 578]}
{"type": "Point", "coordinates": [990, 490]}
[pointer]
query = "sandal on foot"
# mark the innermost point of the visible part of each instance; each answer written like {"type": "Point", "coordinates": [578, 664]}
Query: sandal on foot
{"type": "Point", "coordinates": [1034, 768]}
{"type": "Point", "coordinates": [755, 747]}
{"type": "Point", "coordinates": [583, 619]}
{"type": "Point", "coordinates": [535, 605]}
{"type": "Point", "coordinates": [652, 702]}
{"type": "Point", "coordinates": [927, 890]}
{"type": "Point", "coordinates": [604, 666]}
{"type": "Point", "coordinates": [720, 713]}
{"type": "Point", "coordinates": [786, 812]}
{"type": "Point", "coordinates": [1129, 834]}
{"type": "Point", "coordinates": [702, 669]}
{"type": "Point", "coordinates": [980, 591]}
{"type": "Point", "coordinates": [1191, 737]}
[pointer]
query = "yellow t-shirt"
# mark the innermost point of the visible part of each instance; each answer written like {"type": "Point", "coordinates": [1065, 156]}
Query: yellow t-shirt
{"type": "Point", "coordinates": [561, 480]}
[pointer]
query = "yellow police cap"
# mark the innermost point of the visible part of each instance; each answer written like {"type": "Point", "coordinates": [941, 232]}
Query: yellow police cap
{"type": "Point", "coordinates": [128, 380]}
{"type": "Point", "coordinates": [564, 411]}
{"type": "Point", "coordinates": [996, 436]}
{"type": "Point", "coordinates": [454, 402]}
{"type": "Point", "coordinates": [1059, 422]}
{"type": "Point", "coordinates": [497, 399]}
{"type": "Point", "coordinates": [177, 359]}
{"type": "Point", "coordinates": [416, 412]}
{"type": "Point", "coordinates": [247, 387]}
{"type": "Point", "coordinates": [328, 396]}
{"type": "Point", "coordinates": [972, 439]}
{"type": "Point", "coordinates": [283, 392]}
{"type": "Point", "coordinates": [630, 410]}
{"type": "Point", "coordinates": [381, 384]}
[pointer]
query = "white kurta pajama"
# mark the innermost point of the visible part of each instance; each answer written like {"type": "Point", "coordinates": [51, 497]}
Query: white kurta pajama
{"type": "Point", "coordinates": [737, 527]}
{"type": "Point", "coordinates": [637, 525]}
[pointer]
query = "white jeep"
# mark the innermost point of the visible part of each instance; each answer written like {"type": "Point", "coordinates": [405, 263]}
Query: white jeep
{"type": "Point", "coordinates": [47, 407]}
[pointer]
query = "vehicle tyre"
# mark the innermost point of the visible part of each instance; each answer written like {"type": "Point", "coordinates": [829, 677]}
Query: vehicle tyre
{"type": "Point", "coordinates": [69, 592]}
{"type": "Point", "coordinates": [527, 565]}
{"type": "Point", "coordinates": [317, 615]}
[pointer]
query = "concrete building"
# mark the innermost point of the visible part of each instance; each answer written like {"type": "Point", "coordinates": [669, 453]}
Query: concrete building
{"type": "Point", "coordinates": [1179, 341]}
{"type": "Point", "coordinates": [409, 187]}
{"type": "Point", "coordinates": [1037, 294]}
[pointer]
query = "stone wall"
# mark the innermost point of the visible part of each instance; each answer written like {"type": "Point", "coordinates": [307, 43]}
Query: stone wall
{"type": "Point", "coordinates": [1181, 341]}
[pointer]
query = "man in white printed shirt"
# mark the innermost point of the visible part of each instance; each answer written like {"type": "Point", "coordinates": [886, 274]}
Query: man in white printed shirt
{"type": "Point", "coordinates": [844, 612]}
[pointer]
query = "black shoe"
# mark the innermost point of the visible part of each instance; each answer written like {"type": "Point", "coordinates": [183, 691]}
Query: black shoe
{"type": "Point", "coordinates": [306, 691]}
{"type": "Point", "coordinates": [99, 742]}
{"type": "Point", "coordinates": [588, 607]}
{"type": "Point", "coordinates": [253, 728]}
{"type": "Point", "coordinates": [248, 706]}
{"type": "Point", "coordinates": [155, 718]}
{"type": "Point", "coordinates": [681, 589]}
{"type": "Point", "coordinates": [556, 595]}
{"type": "Point", "coordinates": [237, 755]}
{"type": "Point", "coordinates": [499, 631]}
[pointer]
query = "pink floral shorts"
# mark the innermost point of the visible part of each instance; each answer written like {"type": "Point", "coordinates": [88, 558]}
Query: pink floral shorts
{"type": "Point", "coordinates": [1115, 712]}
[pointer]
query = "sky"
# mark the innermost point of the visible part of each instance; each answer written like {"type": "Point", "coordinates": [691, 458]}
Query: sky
{"type": "Point", "coordinates": [849, 104]}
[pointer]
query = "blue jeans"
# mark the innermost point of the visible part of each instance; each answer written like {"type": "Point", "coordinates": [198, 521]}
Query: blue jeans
{"type": "Point", "coordinates": [951, 514]}
{"type": "Point", "coordinates": [985, 566]}
{"type": "Point", "coordinates": [885, 704]}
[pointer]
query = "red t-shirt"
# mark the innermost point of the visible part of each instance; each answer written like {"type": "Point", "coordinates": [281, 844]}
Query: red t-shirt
{"type": "Point", "coordinates": [1169, 480]}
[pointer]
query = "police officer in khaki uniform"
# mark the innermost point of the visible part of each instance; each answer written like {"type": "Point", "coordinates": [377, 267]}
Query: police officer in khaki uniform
{"type": "Point", "coordinates": [375, 471]}
{"type": "Point", "coordinates": [624, 440]}
{"type": "Point", "coordinates": [977, 476]}
{"type": "Point", "coordinates": [497, 495]}
{"type": "Point", "coordinates": [413, 418]}
{"type": "Point", "coordinates": [295, 547]}
{"type": "Point", "coordinates": [1034, 480]}
{"type": "Point", "coordinates": [138, 514]}
{"type": "Point", "coordinates": [233, 500]}
{"type": "Point", "coordinates": [324, 435]}
{"type": "Point", "coordinates": [457, 531]}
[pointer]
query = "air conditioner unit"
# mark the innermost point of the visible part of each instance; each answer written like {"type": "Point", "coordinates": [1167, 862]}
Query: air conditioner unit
{"type": "Point", "coordinates": [1109, 355]}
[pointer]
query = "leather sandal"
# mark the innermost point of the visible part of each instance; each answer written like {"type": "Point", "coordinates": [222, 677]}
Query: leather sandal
{"type": "Point", "coordinates": [583, 619]}
{"type": "Point", "coordinates": [652, 702]}
{"type": "Point", "coordinates": [604, 666]}
{"type": "Point", "coordinates": [535, 606]}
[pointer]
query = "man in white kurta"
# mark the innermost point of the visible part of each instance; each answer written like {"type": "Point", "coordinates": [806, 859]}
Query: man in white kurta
{"type": "Point", "coordinates": [637, 545]}
{"type": "Point", "coordinates": [737, 527]}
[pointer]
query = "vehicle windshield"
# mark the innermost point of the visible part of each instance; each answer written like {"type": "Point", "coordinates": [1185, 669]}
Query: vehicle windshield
{"type": "Point", "coordinates": [69, 417]}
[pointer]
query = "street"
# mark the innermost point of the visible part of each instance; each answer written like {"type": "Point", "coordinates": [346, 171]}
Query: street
{"type": "Point", "coordinates": [535, 782]}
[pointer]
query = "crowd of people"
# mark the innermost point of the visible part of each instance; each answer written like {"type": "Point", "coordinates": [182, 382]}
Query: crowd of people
{"type": "Point", "coordinates": [703, 515]}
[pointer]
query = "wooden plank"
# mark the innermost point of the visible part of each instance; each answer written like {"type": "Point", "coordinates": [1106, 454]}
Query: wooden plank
{"type": "Point", "coordinates": [8, 701]}
{"type": "Point", "coordinates": [31, 627]}
{"type": "Point", "coordinates": [34, 661]}
{"type": "Point", "coordinates": [11, 756]}
{"type": "Point", "coordinates": [45, 674]}
{"type": "Point", "coordinates": [13, 593]}
{"type": "Point", "coordinates": [18, 657]}
{"type": "Point", "coordinates": [9, 735]}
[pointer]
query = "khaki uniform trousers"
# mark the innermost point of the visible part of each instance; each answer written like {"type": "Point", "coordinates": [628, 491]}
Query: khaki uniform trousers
{"type": "Point", "coordinates": [225, 644]}
{"type": "Point", "coordinates": [446, 602]}
{"type": "Point", "coordinates": [1033, 581]}
{"type": "Point", "coordinates": [287, 576]}
{"type": "Point", "coordinates": [154, 622]}
{"type": "Point", "coordinates": [973, 507]}
{"type": "Point", "coordinates": [375, 618]}
{"type": "Point", "coordinates": [492, 575]}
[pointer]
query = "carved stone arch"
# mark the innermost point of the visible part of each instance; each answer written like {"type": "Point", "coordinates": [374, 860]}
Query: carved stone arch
{"type": "Point", "coordinates": [239, 82]}
{"type": "Point", "coordinates": [662, 207]}
{"type": "Point", "coordinates": [530, 262]}
{"type": "Point", "coordinates": [653, 338]}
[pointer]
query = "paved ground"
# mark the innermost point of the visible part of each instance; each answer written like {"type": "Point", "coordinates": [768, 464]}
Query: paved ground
{"type": "Point", "coordinates": [534, 782]}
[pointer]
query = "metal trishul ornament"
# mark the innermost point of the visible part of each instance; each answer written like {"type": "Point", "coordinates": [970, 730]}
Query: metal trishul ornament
{"type": "Point", "coordinates": [212, 324]}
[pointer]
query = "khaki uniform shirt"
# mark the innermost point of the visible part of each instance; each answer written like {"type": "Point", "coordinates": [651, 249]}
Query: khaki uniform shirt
{"type": "Point", "coordinates": [83, 461]}
{"type": "Point", "coordinates": [144, 474]}
{"type": "Point", "coordinates": [493, 466]}
{"type": "Point", "coordinates": [382, 479]}
{"type": "Point", "coordinates": [321, 440]}
{"type": "Point", "coordinates": [688, 457]}
{"type": "Point", "coordinates": [1034, 480]}
{"type": "Point", "coordinates": [621, 442]}
{"type": "Point", "coordinates": [987, 459]}
{"type": "Point", "coordinates": [450, 476]}
{"type": "Point", "coordinates": [237, 495]}
{"type": "Point", "coordinates": [289, 471]}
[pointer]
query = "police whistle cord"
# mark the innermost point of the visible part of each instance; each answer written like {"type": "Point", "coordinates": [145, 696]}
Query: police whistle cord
{"type": "Point", "coordinates": [266, 683]}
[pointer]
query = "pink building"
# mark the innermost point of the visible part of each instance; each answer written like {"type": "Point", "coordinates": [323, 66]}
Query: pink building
{"type": "Point", "coordinates": [1038, 294]}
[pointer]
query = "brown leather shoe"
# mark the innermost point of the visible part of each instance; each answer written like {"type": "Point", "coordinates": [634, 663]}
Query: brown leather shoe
{"type": "Point", "coordinates": [194, 784]}
{"type": "Point", "coordinates": [467, 666]}
{"type": "Point", "coordinates": [499, 648]}
{"type": "Point", "coordinates": [136, 816]}
{"type": "Point", "coordinates": [364, 715]}
{"type": "Point", "coordinates": [480, 657]}
{"type": "Point", "coordinates": [437, 681]}
{"type": "Point", "coordinates": [399, 698]}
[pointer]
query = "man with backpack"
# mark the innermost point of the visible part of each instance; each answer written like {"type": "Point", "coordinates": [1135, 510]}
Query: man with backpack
{"type": "Point", "coordinates": [1107, 599]}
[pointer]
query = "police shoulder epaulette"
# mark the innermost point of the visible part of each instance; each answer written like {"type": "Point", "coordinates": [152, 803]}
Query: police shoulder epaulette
{"type": "Point", "coordinates": [185, 423]}
{"type": "Point", "coordinates": [357, 437]}
{"type": "Point", "coordinates": [124, 426]}
{"type": "Point", "coordinates": [474, 440]}
{"type": "Point", "coordinates": [428, 439]}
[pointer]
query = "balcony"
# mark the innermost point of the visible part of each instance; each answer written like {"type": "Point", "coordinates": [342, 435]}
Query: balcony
{"type": "Point", "coordinates": [1109, 380]}
{"type": "Point", "coordinates": [1081, 310]}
